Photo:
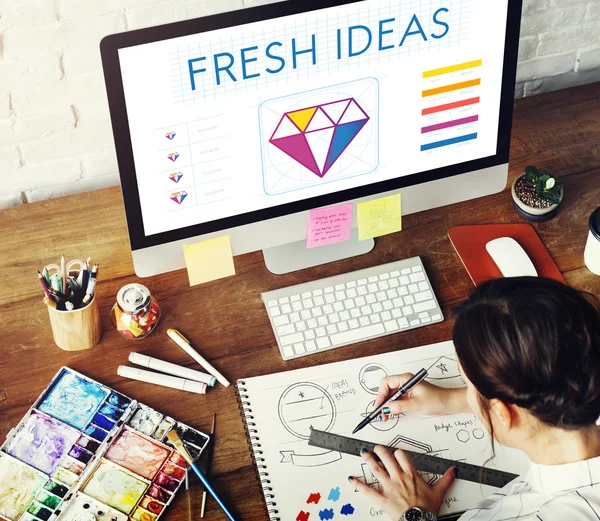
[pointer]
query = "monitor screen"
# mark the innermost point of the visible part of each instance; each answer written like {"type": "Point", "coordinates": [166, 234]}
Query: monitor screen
{"type": "Point", "coordinates": [236, 120]}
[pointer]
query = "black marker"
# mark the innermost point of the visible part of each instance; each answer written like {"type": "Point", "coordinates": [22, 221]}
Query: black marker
{"type": "Point", "coordinates": [403, 390]}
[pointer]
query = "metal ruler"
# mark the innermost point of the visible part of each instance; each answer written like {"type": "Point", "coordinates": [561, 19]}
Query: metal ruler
{"type": "Point", "coordinates": [423, 462]}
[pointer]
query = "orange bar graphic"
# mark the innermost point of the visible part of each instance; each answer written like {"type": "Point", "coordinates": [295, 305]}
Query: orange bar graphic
{"type": "Point", "coordinates": [450, 106]}
{"type": "Point", "coordinates": [454, 86]}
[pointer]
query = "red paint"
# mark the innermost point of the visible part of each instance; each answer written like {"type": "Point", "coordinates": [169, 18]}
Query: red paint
{"type": "Point", "coordinates": [303, 516]}
{"type": "Point", "coordinates": [314, 498]}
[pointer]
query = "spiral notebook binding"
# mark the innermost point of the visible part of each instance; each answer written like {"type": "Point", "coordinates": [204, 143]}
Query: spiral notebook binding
{"type": "Point", "coordinates": [255, 451]}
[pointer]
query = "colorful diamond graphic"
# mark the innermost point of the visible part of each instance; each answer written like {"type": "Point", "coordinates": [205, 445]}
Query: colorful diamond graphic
{"type": "Point", "coordinates": [176, 177]}
{"type": "Point", "coordinates": [178, 197]}
{"type": "Point", "coordinates": [317, 136]}
{"type": "Point", "coordinates": [170, 135]}
{"type": "Point", "coordinates": [173, 156]}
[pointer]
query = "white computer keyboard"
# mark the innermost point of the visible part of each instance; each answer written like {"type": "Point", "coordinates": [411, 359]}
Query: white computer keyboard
{"type": "Point", "coordinates": [352, 307]}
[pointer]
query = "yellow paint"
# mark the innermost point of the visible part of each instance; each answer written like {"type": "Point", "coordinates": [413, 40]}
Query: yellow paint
{"type": "Point", "coordinates": [379, 217]}
{"type": "Point", "coordinates": [209, 260]}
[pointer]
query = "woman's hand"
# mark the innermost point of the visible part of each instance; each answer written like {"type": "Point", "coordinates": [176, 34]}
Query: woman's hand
{"type": "Point", "coordinates": [424, 397]}
{"type": "Point", "coordinates": [402, 487]}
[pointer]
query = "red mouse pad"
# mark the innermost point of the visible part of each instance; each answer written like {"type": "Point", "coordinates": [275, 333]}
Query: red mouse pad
{"type": "Point", "coordinates": [469, 242]}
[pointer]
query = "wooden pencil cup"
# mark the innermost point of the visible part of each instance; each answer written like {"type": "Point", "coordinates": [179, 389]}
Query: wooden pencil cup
{"type": "Point", "coordinates": [78, 329]}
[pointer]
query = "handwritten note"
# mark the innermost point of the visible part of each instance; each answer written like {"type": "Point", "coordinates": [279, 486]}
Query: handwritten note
{"type": "Point", "coordinates": [329, 225]}
{"type": "Point", "coordinates": [379, 217]}
{"type": "Point", "coordinates": [209, 260]}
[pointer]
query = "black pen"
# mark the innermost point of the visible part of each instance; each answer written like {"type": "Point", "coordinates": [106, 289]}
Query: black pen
{"type": "Point", "coordinates": [402, 390]}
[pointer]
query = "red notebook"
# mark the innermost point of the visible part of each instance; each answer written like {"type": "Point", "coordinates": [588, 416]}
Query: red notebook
{"type": "Point", "coordinates": [469, 242]}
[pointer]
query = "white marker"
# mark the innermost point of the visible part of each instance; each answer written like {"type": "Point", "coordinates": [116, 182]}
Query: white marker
{"type": "Point", "coordinates": [184, 343]}
{"type": "Point", "coordinates": [169, 368]}
{"type": "Point", "coordinates": [161, 379]}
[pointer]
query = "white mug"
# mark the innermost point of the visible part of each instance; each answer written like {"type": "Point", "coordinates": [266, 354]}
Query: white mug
{"type": "Point", "coordinates": [592, 248]}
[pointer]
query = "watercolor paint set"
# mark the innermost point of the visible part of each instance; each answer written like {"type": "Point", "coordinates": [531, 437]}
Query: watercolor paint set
{"type": "Point", "coordinates": [85, 452]}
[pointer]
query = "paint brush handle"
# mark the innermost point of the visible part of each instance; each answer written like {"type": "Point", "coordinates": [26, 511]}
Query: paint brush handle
{"type": "Point", "coordinates": [211, 490]}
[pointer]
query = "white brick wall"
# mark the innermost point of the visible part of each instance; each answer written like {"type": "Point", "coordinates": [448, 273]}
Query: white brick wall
{"type": "Point", "coordinates": [55, 134]}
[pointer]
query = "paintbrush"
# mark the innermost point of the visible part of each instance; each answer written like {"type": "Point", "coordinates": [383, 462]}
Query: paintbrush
{"type": "Point", "coordinates": [209, 456]}
{"type": "Point", "coordinates": [180, 447]}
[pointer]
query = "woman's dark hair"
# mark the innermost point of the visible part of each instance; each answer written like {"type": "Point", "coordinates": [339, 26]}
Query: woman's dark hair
{"type": "Point", "coordinates": [534, 343]}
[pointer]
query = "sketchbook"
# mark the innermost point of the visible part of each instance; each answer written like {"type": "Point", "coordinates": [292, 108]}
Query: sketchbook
{"type": "Point", "coordinates": [303, 483]}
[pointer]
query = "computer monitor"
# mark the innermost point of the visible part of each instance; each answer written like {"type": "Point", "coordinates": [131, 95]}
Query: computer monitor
{"type": "Point", "coordinates": [239, 123]}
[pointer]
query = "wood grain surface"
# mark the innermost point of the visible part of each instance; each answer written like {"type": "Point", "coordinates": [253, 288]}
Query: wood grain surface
{"type": "Point", "coordinates": [225, 320]}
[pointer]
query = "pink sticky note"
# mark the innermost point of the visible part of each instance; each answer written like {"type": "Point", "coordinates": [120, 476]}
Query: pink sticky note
{"type": "Point", "coordinates": [329, 225]}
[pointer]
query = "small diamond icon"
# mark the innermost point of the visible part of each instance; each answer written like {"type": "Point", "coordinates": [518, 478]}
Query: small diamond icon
{"type": "Point", "coordinates": [175, 177]}
{"type": "Point", "coordinates": [178, 197]}
{"type": "Point", "coordinates": [170, 135]}
{"type": "Point", "coordinates": [317, 136]}
{"type": "Point", "coordinates": [173, 156]}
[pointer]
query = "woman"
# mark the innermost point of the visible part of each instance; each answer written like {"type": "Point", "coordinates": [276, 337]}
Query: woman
{"type": "Point", "coordinates": [529, 351]}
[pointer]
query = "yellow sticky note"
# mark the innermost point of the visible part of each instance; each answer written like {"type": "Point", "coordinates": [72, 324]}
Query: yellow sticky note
{"type": "Point", "coordinates": [379, 217]}
{"type": "Point", "coordinates": [209, 260]}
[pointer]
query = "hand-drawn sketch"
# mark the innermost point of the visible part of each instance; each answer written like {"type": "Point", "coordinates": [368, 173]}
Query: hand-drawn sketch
{"type": "Point", "coordinates": [370, 376]}
{"type": "Point", "coordinates": [305, 405]}
{"type": "Point", "coordinates": [309, 460]}
{"type": "Point", "coordinates": [444, 368]}
{"type": "Point", "coordinates": [404, 442]}
{"type": "Point", "coordinates": [463, 435]}
{"type": "Point", "coordinates": [379, 425]}
{"type": "Point", "coordinates": [478, 433]}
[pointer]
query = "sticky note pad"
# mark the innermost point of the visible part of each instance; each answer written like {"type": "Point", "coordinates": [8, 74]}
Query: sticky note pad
{"type": "Point", "coordinates": [379, 217]}
{"type": "Point", "coordinates": [329, 225]}
{"type": "Point", "coordinates": [209, 260]}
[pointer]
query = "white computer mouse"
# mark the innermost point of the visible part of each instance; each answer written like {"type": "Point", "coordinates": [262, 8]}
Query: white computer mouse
{"type": "Point", "coordinates": [510, 257]}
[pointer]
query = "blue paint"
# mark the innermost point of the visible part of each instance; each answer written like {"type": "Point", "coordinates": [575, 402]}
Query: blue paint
{"type": "Point", "coordinates": [326, 514]}
{"type": "Point", "coordinates": [347, 510]}
{"type": "Point", "coordinates": [103, 422]}
{"type": "Point", "coordinates": [111, 412]}
{"type": "Point", "coordinates": [95, 432]}
{"type": "Point", "coordinates": [119, 401]}
{"type": "Point", "coordinates": [334, 494]}
{"type": "Point", "coordinates": [73, 400]}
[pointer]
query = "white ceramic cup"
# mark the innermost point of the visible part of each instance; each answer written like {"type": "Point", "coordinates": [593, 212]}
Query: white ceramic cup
{"type": "Point", "coordinates": [592, 247]}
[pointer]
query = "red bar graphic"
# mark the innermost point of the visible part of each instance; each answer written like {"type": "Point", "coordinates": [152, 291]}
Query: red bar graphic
{"type": "Point", "coordinates": [450, 106]}
{"type": "Point", "coordinates": [449, 124]}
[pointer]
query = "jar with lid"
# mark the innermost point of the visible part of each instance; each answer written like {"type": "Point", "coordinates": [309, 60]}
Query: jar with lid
{"type": "Point", "coordinates": [136, 312]}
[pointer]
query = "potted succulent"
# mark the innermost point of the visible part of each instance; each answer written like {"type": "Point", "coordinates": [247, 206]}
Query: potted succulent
{"type": "Point", "coordinates": [537, 194]}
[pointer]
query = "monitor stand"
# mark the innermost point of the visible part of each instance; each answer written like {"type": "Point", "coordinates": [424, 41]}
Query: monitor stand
{"type": "Point", "coordinates": [295, 256]}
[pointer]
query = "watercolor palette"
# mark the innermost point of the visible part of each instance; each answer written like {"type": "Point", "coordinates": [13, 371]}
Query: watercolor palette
{"type": "Point", "coordinates": [85, 451]}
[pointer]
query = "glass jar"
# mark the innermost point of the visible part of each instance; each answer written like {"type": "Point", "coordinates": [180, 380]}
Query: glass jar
{"type": "Point", "coordinates": [136, 313]}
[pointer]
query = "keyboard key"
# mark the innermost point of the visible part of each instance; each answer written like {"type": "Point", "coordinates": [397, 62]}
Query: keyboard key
{"type": "Point", "coordinates": [403, 323]}
{"type": "Point", "coordinates": [316, 312]}
{"type": "Point", "coordinates": [353, 323]}
{"type": "Point", "coordinates": [344, 315]}
{"type": "Point", "coordinates": [291, 339]}
{"type": "Point", "coordinates": [394, 283]}
{"type": "Point", "coordinates": [329, 298]}
{"type": "Point", "coordinates": [306, 314]}
{"type": "Point", "coordinates": [387, 305]}
{"type": "Point", "coordinates": [364, 321]}
{"type": "Point", "coordinates": [395, 273]}
{"type": "Point", "coordinates": [312, 323]}
{"type": "Point", "coordinates": [366, 310]}
{"type": "Point", "coordinates": [384, 276]}
{"type": "Point", "coordinates": [391, 325]}
{"type": "Point", "coordinates": [338, 306]}
{"type": "Point", "coordinates": [362, 282]}
{"type": "Point", "coordinates": [307, 303]}
{"type": "Point", "coordinates": [322, 321]}
{"type": "Point", "coordinates": [407, 310]}
{"type": "Point", "coordinates": [288, 351]}
{"type": "Point", "coordinates": [284, 300]}
{"type": "Point", "coordinates": [349, 304]}
{"type": "Point", "coordinates": [362, 290]}
{"type": "Point", "coordinates": [381, 296]}
{"type": "Point", "coordinates": [375, 319]}
{"type": "Point", "coordinates": [402, 290]}
{"type": "Point", "coordinates": [339, 287]}
{"type": "Point", "coordinates": [328, 289]}
{"type": "Point", "coordinates": [319, 301]}
{"type": "Point", "coordinates": [320, 331]}
{"type": "Point", "coordinates": [377, 307]}
{"type": "Point", "coordinates": [386, 315]}
{"type": "Point", "coordinates": [343, 326]}
{"type": "Point", "coordinates": [417, 268]}
{"type": "Point", "coordinates": [425, 320]}
{"type": "Point", "coordinates": [396, 313]}
{"type": "Point", "coordinates": [354, 335]}
{"type": "Point", "coordinates": [295, 317]}
{"type": "Point", "coordinates": [423, 286]}
{"type": "Point", "coordinates": [306, 295]}
{"type": "Point", "coordinates": [409, 299]}
{"type": "Point", "coordinates": [424, 306]}
{"type": "Point", "coordinates": [295, 298]}
{"type": "Point", "coordinates": [323, 343]}
{"type": "Point", "coordinates": [272, 303]}
{"type": "Point", "coordinates": [286, 308]}
{"type": "Point", "coordinates": [351, 293]}
{"type": "Point", "coordinates": [424, 314]}
{"type": "Point", "coordinates": [281, 320]}
{"type": "Point", "coordinates": [413, 288]}
{"type": "Point", "coordinates": [275, 311]}
{"type": "Point", "coordinates": [328, 309]}
{"type": "Point", "coordinates": [334, 317]}
{"type": "Point", "coordinates": [360, 301]}
{"type": "Point", "coordinates": [286, 330]}
{"type": "Point", "coordinates": [426, 295]}
{"type": "Point", "coordinates": [405, 271]}
{"type": "Point", "coordinates": [398, 302]}
{"type": "Point", "coordinates": [309, 334]}
{"type": "Point", "coordinates": [373, 278]}
{"type": "Point", "coordinates": [310, 346]}
{"type": "Point", "coordinates": [355, 313]}
{"type": "Point", "coordinates": [351, 284]}
{"type": "Point", "coordinates": [437, 316]}
{"type": "Point", "coordinates": [415, 322]}
{"type": "Point", "coordinates": [317, 292]}
{"type": "Point", "coordinates": [383, 285]}
{"type": "Point", "coordinates": [301, 326]}
{"type": "Point", "coordinates": [372, 288]}
{"type": "Point", "coordinates": [340, 295]}
{"type": "Point", "coordinates": [296, 306]}
{"type": "Point", "coordinates": [299, 349]}
{"type": "Point", "coordinates": [391, 293]}
{"type": "Point", "coordinates": [404, 281]}
{"type": "Point", "coordinates": [331, 329]}
{"type": "Point", "coordinates": [417, 277]}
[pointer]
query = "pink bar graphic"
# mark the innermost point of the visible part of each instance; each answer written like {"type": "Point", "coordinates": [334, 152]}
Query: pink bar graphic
{"type": "Point", "coordinates": [449, 124]}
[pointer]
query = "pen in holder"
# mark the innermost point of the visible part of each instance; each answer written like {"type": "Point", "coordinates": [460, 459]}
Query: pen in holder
{"type": "Point", "coordinates": [77, 329]}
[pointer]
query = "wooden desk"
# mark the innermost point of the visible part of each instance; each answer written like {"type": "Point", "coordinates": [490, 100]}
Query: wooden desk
{"type": "Point", "coordinates": [226, 319]}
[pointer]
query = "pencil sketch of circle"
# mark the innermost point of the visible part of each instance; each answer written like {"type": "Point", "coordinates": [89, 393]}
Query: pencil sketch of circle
{"type": "Point", "coordinates": [303, 406]}
{"type": "Point", "coordinates": [379, 425]}
{"type": "Point", "coordinates": [370, 376]}
{"type": "Point", "coordinates": [478, 433]}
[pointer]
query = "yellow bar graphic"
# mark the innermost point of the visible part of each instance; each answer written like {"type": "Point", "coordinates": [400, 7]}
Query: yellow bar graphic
{"type": "Point", "coordinates": [452, 68]}
{"type": "Point", "coordinates": [454, 86]}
